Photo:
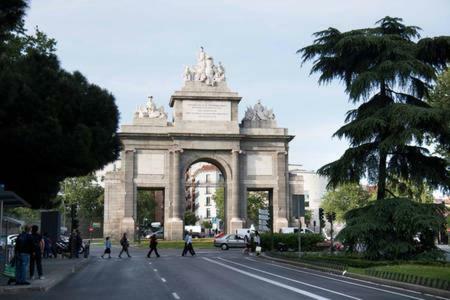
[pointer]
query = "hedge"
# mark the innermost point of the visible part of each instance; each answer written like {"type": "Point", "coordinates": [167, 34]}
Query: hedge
{"type": "Point", "coordinates": [308, 240]}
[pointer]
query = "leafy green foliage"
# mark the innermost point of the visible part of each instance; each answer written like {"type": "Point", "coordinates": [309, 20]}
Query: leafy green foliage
{"type": "Point", "coordinates": [190, 218]}
{"type": "Point", "coordinates": [207, 224]}
{"type": "Point", "coordinates": [219, 199]}
{"type": "Point", "coordinates": [308, 240]}
{"type": "Point", "coordinates": [440, 98]}
{"type": "Point", "coordinates": [344, 198]}
{"type": "Point", "coordinates": [146, 207]}
{"type": "Point", "coordinates": [85, 193]}
{"type": "Point", "coordinates": [56, 124]}
{"type": "Point", "coordinates": [255, 201]}
{"type": "Point", "coordinates": [395, 228]}
{"type": "Point", "coordinates": [391, 72]}
{"type": "Point", "coordinates": [11, 16]}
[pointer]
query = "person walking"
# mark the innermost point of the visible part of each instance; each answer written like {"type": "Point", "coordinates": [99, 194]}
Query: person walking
{"type": "Point", "coordinates": [47, 246]}
{"type": "Point", "coordinates": [153, 245]}
{"type": "Point", "coordinates": [257, 240]}
{"type": "Point", "coordinates": [247, 243]}
{"type": "Point", "coordinates": [108, 247]}
{"type": "Point", "coordinates": [188, 244]}
{"type": "Point", "coordinates": [36, 256]}
{"type": "Point", "coordinates": [23, 251]}
{"type": "Point", "coordinates": [125, 244]}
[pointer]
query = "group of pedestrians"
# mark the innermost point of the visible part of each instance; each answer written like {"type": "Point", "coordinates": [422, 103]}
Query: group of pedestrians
{"type": "Point", "coordinates": [153, 246]}
{"type": "Point", "coordinates": [28, 253]}
{"type": "Point", "coordinates": [252, 242]}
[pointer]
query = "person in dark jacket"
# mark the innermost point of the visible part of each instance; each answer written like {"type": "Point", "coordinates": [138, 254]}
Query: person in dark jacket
{"type": "Point", "coordinates": [125, 244]}
{"type": "Point", "coordinates": [38, 249]}
{"type": "Point", "coordinates": [23, 251]}
{"type": "Point", "coordinates": [153, 245]}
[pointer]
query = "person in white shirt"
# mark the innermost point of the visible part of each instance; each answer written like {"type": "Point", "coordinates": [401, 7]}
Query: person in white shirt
{"type": "Point", "coordinates": [188, 244]}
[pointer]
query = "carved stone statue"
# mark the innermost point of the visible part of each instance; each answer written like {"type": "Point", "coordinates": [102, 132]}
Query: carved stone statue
{"type": "Point", "coordinates": [259, 113]}
{"type": "Point", "coordinates": [205, 70]}
{"type": "Point", "coordinates": [188, 74]}
{"type": "Point", "coordinates": [150, 110]}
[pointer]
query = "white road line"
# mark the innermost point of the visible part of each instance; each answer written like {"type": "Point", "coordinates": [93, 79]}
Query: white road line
{"type": "Point", "coordinates": [163, 279]}
{"type": "Point", "coordinates": [149, 263]}
{"type": "Point", "coordinates": [156, 270]}
{"type": "Point", "coordinates": [175, 295]}
{"type": "Point", "coordinates": [352, 283]}
{"type": "Point", "coordinates": [285, 286]}
{"type": "Point", "coordinates": [293, 280]}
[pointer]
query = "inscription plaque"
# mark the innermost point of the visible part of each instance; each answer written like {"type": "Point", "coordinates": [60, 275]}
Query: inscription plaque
{"type": "Point", "coordinates": [206, 110]}
{"type": "Point", "coordinates": [259, 164]}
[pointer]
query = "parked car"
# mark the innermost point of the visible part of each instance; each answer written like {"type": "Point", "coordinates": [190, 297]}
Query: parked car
{"type": "Point", "coordinates": [295, 230]}
{"type": "Point", "coordinates": [159, 234]}
{"type": "Point", "coordinates": [10, 240]}
{"type": "Point", "coordinates": [230, 241]}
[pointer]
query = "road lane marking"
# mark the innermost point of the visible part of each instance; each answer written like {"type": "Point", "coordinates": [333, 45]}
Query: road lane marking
{"type": "Point", "coordinates": [293, 280]}
{"type": "Point", "coordinates": [175, 295]}
{"type": "Point", "coordinates": [163, 279]}
{"type": "Point", "coordinates": [285, 286]}
{"type": "Point", "coordinates": [353, 283]}
{"type": "Point", "coordinates": [149, 263]}
{"type": "Point", "coordinates": [156, 270]}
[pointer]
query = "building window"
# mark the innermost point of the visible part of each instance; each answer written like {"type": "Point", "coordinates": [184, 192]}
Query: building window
{"type": "Point", "coordinates": [208, 213]}
{"type": "Point", "coordinates": [208, 201]}
{"type": "Point", "coordinates": [208, 178]}
{"type": "Point", "coordinates": [209, 190]}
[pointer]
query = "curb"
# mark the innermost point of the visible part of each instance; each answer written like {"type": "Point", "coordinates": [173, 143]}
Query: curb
{"type": "Point", "coordinates": [376, 280]}
{"type": "Point", "coordinates": [48, 285]}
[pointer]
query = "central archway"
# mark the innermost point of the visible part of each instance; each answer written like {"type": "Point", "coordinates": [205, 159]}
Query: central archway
{"type": "Point", "coordinates": [205, 183]}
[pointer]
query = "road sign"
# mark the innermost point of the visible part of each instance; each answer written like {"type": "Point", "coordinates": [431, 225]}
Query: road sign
{"type": "Point", "coordinates": [96, 224]}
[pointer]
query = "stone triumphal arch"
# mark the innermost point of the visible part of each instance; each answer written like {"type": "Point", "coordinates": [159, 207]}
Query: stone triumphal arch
{"type": "Point", "coordinates": [251, 154]}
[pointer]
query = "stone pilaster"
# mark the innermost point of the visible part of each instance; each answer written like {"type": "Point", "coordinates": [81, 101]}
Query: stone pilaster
{"type": "Point", "coordinates": [174, 227]}
{"type": "Point", "coordinates": [128, 225]}
{"type": "Point", "coordinates": [234, 217]}
{"type": "Point", "coordinates": [280, 208]}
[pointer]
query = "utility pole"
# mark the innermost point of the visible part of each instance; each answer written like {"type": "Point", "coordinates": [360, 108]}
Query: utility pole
{"type": "Point", "coordinates": [331, 216]}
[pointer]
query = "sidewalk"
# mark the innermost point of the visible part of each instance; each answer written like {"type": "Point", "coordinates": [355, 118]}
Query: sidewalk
{"type": "Point", "coordinates": [55, 271]}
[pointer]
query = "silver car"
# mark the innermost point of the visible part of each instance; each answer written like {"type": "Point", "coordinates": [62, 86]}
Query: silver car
{"type": "Point", "coordinates": [229, 241]}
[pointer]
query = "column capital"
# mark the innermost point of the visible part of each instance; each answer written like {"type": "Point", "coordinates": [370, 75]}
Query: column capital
{"type": "Point", "coordinates": [282, 152]}
{"type": "Point", "coordinates": [238, 151]}
{"type": "Point", "coordinates": [176, 148]}
{"type": "Point", "coordinates": [130, 150]}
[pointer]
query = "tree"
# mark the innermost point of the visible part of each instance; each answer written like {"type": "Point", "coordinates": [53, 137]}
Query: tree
{"type": "Point", "coordinates": [146, 207]}
{"type": "Point", "coordinates": [56, 124]}
{"type": "Point", "coordinates": [391, 70]}
{"type": "Point", "coordinates": [190, 218]}
{"type": "Point", "coordinates": [255, 202]}
{"type": "Point", "coordinates": [85, 194]}
{"type": "Point", "coordinates": [440, 98]}
{"type": "Point", "coordinates": [393, 228]}
{"type": "Point", "coordinates": [219, 199]}
{"type": "Point", "coordinates": [11, 16]}
{"type": "Point", "coordinates": [344, 198]}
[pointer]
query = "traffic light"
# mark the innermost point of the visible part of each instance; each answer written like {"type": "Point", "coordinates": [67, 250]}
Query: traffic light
{"type": "Point", "coordinates": [321, 218]}
{"type": "Point", "coordinates": [269, 222]}
{"type": "Point", "coordinates": [331, 216]}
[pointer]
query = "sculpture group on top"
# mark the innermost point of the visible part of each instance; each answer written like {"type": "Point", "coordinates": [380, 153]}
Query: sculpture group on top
{"type": "Point", "coordinates": [150, 110]}
{"type": "Point", "coordinates": [259, 113]}
{"type": "Point", "coordinates": [205, 70]}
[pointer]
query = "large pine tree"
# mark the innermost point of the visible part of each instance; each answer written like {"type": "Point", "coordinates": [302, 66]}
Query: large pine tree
{"type": "Point", "coordinates": [390, 70]}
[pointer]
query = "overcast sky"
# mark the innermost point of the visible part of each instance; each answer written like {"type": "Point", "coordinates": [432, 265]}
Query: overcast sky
{"type": "Point", "coordinates": [139, 48]}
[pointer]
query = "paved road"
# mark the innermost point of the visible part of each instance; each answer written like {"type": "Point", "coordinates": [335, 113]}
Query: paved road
{"type": "Point", "coordinates": [212, 274]}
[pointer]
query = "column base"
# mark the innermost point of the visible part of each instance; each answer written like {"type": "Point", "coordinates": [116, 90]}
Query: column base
{"type": "Point", "coordinates": [279, 223]}
{"type": "Point", "coordinates": [235, 224]}
{"type": "Point", "coordinates": [127, 226]}
{"type": "Point", "coordinates": [173, 229]}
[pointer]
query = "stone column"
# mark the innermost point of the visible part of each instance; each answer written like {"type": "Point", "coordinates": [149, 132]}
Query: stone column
{"type": "Point", "coordinates": [280, 208]}
{"type": "Point", "coordinates": [174, 228]}
{"type": "Point", "coordinates": [128, 206]}
{"type": "Point", "coordinates": [234, 217]}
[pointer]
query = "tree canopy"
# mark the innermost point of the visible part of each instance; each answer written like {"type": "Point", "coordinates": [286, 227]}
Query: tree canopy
{"type": "Point", "coordinates": [390, 69]}
{"type": "Point", "coordinates": [344, 198]}
{"type": "Point", "coordinates": [53, 124]}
